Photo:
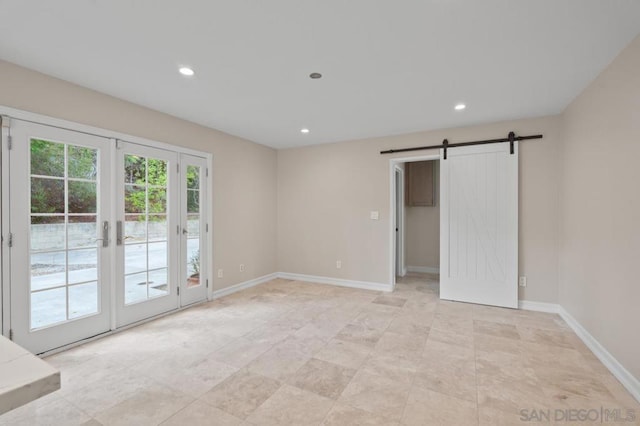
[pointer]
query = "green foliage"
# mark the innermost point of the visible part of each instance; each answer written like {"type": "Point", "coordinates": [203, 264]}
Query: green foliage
{"type": "Point", "coordinates": [194, 261]}
{"type": "Point", "coordinates": [48, 193]}
{"type": "Point", "coordinates": [145, 181]}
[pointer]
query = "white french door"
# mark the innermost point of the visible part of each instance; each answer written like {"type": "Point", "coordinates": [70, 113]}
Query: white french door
{"type": "Point", "coordinates": [479, 225]}
{"type": "Point", "coordinates": [147, 232]}
{"type": "Point", "coordinates": [101, 233]}
{"type": "Point", "coordinates": [60, 263]}
{"type": "Point", "coordinates": [193, 190]}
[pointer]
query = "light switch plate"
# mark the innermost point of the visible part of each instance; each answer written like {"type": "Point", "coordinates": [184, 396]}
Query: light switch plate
{"type": "Point", "coordinates": [375, 215]}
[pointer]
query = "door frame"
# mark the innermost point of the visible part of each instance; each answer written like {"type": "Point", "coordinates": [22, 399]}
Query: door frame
{"type": "Point", "coordinates": [8, 113]}
{"type": "Point", "coordinates": [394, 163]}
{"type": "Point", "coordinates": [400, 267]}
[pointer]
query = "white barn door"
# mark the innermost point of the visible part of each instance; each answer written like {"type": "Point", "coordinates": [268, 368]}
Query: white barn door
{"type": "Point", "coordinates": [479, 225]}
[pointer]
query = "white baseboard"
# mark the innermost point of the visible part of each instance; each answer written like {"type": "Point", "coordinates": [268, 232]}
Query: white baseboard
{"type": "Point", "coordinates": [631, 383]}
{"type": "Point", "coordinates": [364, 285]}
{"type": "Point", "coordinates": [243, 285]}
{"type": "Point", "coordinates": [623, 375]}
{"type": "Point", "coordinates": [423, 269]}
{"type": "Point", "coordinates": [529, 305]}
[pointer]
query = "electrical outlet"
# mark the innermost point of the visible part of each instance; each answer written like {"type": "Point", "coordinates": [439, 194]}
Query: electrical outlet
{"type": "Point", "coordinates": [522, 281]}
{"type": "Point", "coordinates": [242, 267]}
{"type": "Point", "coordinates": [219, 273]}
{"type": "Point", "coordinates": [338, 264]}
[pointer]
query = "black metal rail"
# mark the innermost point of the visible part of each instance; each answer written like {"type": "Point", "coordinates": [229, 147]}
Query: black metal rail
{"type": "Point", "coordinates": [511, 138]}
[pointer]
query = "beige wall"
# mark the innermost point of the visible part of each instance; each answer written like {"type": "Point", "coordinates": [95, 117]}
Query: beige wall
{"type": "Point", "coordinates": [600, 209]}
{"type": "Point", "coordinates": [244, 173]}
{"type": "Point", "coordinates": [422, 232]}
{"type": "Point", "coordinates": [325, 194]}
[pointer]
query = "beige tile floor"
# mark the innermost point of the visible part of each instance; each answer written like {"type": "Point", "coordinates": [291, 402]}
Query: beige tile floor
{"type": "Point", "coordinates": [292, 353]}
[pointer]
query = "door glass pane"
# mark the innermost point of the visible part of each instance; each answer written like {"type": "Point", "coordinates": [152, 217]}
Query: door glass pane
{"type": "Point", "coordinates": [82, 197]}
{"type": "Point", "coordinates": [193, 177]}
{"type": "Point", "coordinates": [47, 158]}
{"type": "Point", "coordinates": [82, 265]}
{"type": "Point", "coordinates": [82, 231]}
{"type": "Point", "coordinates": [135, 169]}
{"type": "Point", "coordinates": [157, 227]}
{"type": "Point", "coordinates": [193, 226]}
{"type": "Point", "coordinates": [135, 288]}
{"type": "Point", "coordinates": [158, 255]}
{"type": "Point", "coordinates": [193, 200]}
{"type": "Point", "coordinates": [83, 162]}
{"type": "Point", "coordinates": [83, 299]}
{"type": "Point", "coordinates": [48, 270]}
{"type": "Point", "coordinates": [47, 195]}
{"type": "Point", "coordinates": [158, 283]}
{"type": "Point", "coordinates": [63, 232]}
{"type": "Point", "coordinates": [193, 262]}
{"type": "Point", "coordinates": [157, 172]}
{"type": "Point", "coordinates": [48, 307]}
{"type": "Point", "coordinates": [157, 200]}
{"type": "Point", "coordinates": [135, 258]}
{"type": "Point", "coordinates": [146, 228]}
{"type": "Point", "coordinates": [135, 199]}
{"type": "Point", "coordinates": [47, 233]}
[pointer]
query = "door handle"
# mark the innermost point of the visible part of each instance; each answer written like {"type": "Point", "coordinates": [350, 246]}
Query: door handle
{"type": "Point", "coordinates": [105, 234]}
{"type": "Point", "coordinates": [119, 232]}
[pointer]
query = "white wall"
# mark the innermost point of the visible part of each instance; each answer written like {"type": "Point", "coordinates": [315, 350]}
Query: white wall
{"type": "Point", "coordinates": [325, 194]}
{"type": "Point", "coordinates": [600, 209]}
{"type": "Point", "coordinates": [423, 231]}
{"type": "Point", "coordinates": [244, 173]}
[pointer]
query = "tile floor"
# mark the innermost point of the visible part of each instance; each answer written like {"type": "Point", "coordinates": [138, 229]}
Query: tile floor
{"type": "Point", "coordinates": [292, 353]}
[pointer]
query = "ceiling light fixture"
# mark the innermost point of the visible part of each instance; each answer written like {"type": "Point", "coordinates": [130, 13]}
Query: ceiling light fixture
{"type": "Point", "coordinates": [186, 71]}
{"type": "Point", "coordinates": [460, 107]}
{"type": "Point", "coordinates": [315, 75]}
{"type": "Point", "coordinates": [304, 131]}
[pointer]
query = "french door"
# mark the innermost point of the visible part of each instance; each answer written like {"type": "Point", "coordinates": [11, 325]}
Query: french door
{"type": "Point", "coordinates": [479, 225]}
{"type": "Point", "coordinates": [194, 229]}
{"type": "Point", "coordinates": [147, 231]}
{"type": "Point", "coordinates": [103, 233]}
{"type": "Point", "coordinates": [60, 263]}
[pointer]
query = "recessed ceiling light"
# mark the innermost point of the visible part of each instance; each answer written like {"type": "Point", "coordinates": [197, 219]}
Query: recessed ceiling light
{"type": "Point", "coordinates": [304, 131]}
{"type": "Point", "coordinates": [460, 107]}
{"type": "Point", "coordinates": [315, 75]}
{"type": "Point", "coordinates": [186, 71]}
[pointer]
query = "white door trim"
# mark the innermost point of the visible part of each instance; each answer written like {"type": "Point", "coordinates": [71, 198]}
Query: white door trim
{"type": "Point", "coordinates": [96, 131]}
{"type": "Point", "coordinates": [393, 162]}
{"type": "Point", "coordinates": [400, 222]}
{"type": "Point", "coordinates": [5, 299]}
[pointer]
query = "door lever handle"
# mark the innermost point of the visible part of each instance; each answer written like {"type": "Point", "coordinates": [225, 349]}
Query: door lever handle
{"type": "Point", "coordinates": [105, 234]}
{"type": "Point", "coordinates": [119, 232]}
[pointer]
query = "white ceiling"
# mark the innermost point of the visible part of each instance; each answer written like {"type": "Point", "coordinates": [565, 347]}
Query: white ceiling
{"type": "Point", "coordinates": [389, 66]}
